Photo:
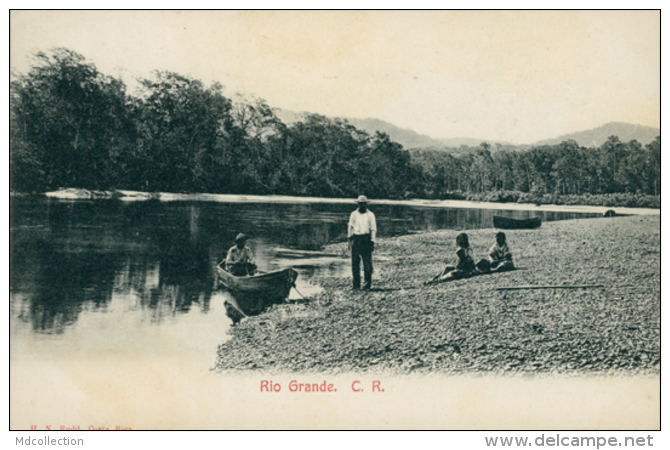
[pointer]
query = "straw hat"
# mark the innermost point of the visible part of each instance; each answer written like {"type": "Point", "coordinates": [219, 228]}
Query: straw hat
{"type": "Point", "coordinates": [362, 199]}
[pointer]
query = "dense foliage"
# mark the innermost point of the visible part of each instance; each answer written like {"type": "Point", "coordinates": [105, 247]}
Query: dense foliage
{"type": "Point", "coordinates": [559, 170]}
{"type": "Point", "coordinates": [71, 126]}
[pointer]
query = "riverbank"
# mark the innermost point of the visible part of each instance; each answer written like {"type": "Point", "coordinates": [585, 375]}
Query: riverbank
{"type": "Point", "coordinates": [467, 326]}
{"type": "Point", "coordinates": [130, 196]}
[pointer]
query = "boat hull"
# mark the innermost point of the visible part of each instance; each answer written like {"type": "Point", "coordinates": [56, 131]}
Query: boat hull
{"type": "Point", "coordinates": [254, 294]}
{"type": "Point", "coordinates": [516, 224]}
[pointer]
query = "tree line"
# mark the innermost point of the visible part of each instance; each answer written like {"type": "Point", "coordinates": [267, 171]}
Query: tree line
{"type": "Point", "coordinates": [72, 126]}
{"type": "Point", "coordinates": [563, 169]}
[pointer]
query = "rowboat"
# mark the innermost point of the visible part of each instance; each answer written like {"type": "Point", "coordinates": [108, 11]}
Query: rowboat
{"type": "Point", "coordinates": [510, 224]}
{"type": "Point", "coordinates": [251, 295]}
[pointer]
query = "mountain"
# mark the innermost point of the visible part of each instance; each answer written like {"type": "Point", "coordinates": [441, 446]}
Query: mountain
{"type": "Point", "coordinates": [288, 117]}
{"type": "Point", "coordinates": [597, 136]}
{"type": "Point", "coordinates": [410, 139]}
{"type": "Point", "coordinates": [405, 136]}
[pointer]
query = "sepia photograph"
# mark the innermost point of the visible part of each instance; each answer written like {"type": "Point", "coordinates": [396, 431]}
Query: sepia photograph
{"type": "Point", "coordinates": [335, 220]}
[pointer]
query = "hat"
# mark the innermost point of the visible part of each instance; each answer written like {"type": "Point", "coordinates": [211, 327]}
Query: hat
{"type": "Point", "coordinates": [362, 199]}
{"type": "Point", "coordinates": [240, 237]}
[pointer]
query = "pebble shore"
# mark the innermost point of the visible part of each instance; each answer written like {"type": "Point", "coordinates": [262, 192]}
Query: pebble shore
{"type": "Point", "coordinates": [467, 326]}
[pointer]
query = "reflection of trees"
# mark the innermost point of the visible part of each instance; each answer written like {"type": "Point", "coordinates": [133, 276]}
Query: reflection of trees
{"type": "Point", "coordinates": [172, 281]}
{"type": "Point", "coordinates": [83, 253]}
{"type": "Point", "coordinates": [185, 278]}
{"type": "Point", "coordinates": [62, 284]}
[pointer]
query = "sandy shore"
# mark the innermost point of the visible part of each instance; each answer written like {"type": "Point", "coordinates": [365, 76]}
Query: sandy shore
{"type": "Point", "coordinates": [131, 196]}
{"type": "Point", "coordinates": [468, 326]}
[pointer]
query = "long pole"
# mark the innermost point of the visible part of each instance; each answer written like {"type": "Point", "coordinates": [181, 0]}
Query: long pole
{"type": "Point", "coordinates": [575, 286]}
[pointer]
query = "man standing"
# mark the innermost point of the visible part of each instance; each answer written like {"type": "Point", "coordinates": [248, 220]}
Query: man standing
{"type": "Point", "coordinates": [362, 233]}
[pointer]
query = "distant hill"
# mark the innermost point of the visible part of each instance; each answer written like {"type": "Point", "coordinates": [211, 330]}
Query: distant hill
{"type": "Point", "coordinates": [597, 136]}
{"type": "Point", "coordinates": [405, 136]}
{"type": "Point", "coordinates": [288, 117]}
{"type": "Point", "coordinates": [410, 139]}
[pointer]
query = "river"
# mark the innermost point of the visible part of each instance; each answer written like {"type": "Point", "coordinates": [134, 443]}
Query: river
{"type": "Point", "coordinates": [106, 275]}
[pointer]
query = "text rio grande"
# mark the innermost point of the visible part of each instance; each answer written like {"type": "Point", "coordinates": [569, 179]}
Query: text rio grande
{"type": "Point", "coordinates": [295, 386]}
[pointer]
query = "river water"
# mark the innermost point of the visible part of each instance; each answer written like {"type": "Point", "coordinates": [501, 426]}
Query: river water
{"type": "Point", "coordinates": [91, 276]}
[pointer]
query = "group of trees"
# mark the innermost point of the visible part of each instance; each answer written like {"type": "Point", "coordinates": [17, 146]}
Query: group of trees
{"type": "Point", "coordinates": [563, 169]}
{"type": "Point", "coordinates": [71, 126]}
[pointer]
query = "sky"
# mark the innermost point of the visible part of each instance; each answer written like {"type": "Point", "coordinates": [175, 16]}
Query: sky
{"type": "Point", "coordinates": [511, 76]}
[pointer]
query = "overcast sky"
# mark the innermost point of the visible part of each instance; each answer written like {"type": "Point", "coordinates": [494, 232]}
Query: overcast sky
{"type": "Point", "coordinates": [503, 76]}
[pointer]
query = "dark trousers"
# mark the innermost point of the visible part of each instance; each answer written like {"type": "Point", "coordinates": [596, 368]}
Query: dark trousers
{"type": "Point", "coordinates": [361, 249]}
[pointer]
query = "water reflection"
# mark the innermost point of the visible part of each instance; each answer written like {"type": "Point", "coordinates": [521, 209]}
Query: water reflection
{"type": "Point", "coordinates": [157, 259]}
{"type": "Point", "coordinates": [57, 284]}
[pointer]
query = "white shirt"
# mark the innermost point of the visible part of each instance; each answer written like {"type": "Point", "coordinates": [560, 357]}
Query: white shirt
{"type": "Point", "coordinates": [362, 224]}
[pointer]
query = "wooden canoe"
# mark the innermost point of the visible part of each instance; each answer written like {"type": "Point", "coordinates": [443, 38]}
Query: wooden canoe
{"type": "Point", "coordinates": [512, 224]}
{"type": "Point", "coordinates": [254, 294]}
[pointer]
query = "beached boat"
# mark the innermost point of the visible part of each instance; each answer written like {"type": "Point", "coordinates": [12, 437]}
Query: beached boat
{"type": "Point", "coordinates": [511, 224]}
{"type": "Point", "coordinates": [251, 295]}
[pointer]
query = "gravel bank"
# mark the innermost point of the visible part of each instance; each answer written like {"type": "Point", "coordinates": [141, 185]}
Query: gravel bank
{"type": "Point", "coordinates": [467, 326]}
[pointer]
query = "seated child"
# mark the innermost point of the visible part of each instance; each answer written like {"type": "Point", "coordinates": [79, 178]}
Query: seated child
{"type": "Point", "coordinates": [465, 266]}
{"type": "Point", "coordinates": [499, 255]}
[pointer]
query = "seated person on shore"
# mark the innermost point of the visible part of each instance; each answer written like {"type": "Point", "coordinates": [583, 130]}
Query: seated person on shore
{"type": "Point", "coordinates": [466, 263]}
{"type": "Point", "coordinates": [240, 259]}
{"type": "Point", "coordinates": [499, 255]}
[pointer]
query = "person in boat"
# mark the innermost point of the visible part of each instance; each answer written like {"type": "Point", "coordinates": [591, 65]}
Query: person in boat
{"type": "Point", "coordinates": [240, 259]}
{"type": "Point", "coordinates": [499, 254]}
{"type": "Point", "coordinates": [362, 232]}
{"type": "Point", "coordinates": [465, 266]}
